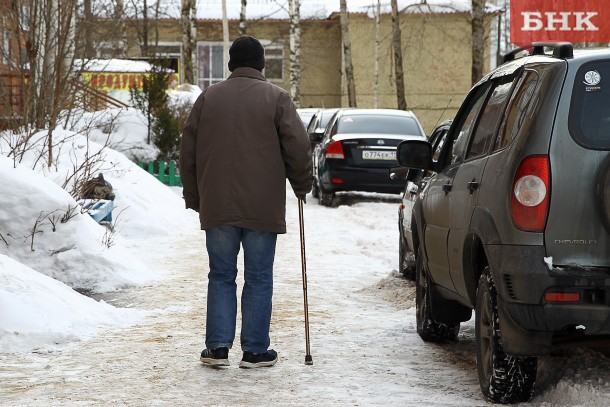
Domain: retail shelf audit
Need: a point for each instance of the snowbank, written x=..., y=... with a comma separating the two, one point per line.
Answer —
x=124, y=130
x=36, y=310
x=43, y=228
x=48, y=243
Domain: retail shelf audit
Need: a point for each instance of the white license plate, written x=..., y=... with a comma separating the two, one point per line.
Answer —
x=378, y=155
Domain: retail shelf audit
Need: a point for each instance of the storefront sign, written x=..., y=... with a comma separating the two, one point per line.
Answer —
x=559, y=20
x=109, y=81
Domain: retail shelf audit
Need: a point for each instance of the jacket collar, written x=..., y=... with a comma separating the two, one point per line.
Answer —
x=248, y=73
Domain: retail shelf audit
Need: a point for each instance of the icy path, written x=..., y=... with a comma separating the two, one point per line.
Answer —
x=364, y=344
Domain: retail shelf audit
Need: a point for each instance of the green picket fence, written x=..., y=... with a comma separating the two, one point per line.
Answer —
x=163, y=171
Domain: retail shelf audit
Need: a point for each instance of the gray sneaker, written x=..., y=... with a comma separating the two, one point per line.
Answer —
x=215, y=357
x=252, y=360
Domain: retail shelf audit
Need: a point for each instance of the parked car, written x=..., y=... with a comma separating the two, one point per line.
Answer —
x=318, y=124
x=515, y=221
x=416, y=181
x=357, y=150
x=306, y=114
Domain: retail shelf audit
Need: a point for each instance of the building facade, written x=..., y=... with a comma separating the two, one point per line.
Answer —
x=436, y=56
x=14, y=24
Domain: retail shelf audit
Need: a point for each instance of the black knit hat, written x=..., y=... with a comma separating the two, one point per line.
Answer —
x=246, y=51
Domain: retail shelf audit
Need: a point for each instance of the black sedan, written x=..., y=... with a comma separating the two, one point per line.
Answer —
x=358, y=149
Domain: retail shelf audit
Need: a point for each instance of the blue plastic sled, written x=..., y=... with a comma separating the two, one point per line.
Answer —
x=99, y=209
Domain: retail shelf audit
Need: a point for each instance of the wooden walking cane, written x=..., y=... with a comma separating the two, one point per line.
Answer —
x=308, y=359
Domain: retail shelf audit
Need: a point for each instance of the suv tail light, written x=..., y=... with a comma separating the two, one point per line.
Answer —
x=335, y=150
x=531, y=194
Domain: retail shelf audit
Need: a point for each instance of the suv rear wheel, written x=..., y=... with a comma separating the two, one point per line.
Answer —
x=427, y=328
x=503, y=378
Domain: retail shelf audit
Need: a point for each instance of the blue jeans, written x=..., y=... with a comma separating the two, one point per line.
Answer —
x=223, y=244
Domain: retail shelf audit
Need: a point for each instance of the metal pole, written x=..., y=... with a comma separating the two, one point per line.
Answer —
x=308, y=359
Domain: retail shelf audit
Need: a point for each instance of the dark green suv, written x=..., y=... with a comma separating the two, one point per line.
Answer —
x=515, y=221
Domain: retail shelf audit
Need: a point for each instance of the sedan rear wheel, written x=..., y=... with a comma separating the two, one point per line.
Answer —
x=326, y=198
x=503, y=378
x=315, y=189
x=406, y=269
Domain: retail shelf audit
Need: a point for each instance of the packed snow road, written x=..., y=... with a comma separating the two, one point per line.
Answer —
x=363, y=339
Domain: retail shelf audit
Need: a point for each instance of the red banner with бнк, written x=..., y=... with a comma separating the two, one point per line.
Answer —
x=559, y=20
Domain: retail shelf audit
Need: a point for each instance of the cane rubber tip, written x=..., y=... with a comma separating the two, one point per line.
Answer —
x=308, y=360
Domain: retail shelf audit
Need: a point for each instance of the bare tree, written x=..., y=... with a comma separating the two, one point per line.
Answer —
x=188, y=40
x=87, y=22
x=377, y=46
x=398, y=68
x=295, y=51
x=121, y=39
x=347, y=56
x=243, y=28
x=478, y=39
x=225, y=37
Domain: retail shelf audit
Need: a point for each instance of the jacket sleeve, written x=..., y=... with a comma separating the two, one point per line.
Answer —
x=295, y=145
x=188, y=163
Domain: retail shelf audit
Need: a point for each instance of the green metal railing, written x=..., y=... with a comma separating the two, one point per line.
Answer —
x=163, y=171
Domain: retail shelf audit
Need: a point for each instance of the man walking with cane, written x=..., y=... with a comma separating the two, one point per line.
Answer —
x=242, y=139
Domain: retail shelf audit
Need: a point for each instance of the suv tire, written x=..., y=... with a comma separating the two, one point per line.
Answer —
x=503, y=378
x=427, y=328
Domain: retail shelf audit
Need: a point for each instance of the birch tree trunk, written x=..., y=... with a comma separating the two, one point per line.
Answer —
x=243, y=28
x=188, y=40
x=121, y=44
x=478, y=40
x=62, y=19
x=144, y=45
x=225, y=38
x=377, y=46
x=398, y=68
x=347, y=56
x=295, y=51
x=88, y=29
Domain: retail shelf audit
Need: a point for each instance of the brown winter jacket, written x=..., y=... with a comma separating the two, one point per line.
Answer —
x=242, y=139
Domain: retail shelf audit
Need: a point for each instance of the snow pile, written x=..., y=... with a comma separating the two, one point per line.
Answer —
x=124, y=130
x=581, y=379
x=395, y=289
x=44, y=230
x=36, y=310
x=113, y=65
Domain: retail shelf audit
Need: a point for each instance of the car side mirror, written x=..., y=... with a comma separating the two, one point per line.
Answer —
x=414, y=154
x=316, y=136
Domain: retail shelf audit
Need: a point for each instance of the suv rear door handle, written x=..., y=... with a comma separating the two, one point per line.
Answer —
x=472, y=185
x=447, y=187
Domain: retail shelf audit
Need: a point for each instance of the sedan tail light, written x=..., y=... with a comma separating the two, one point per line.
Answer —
x=335, y=150
x=531, y=194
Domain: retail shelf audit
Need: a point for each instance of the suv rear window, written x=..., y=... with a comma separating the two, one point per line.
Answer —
x=589, y=120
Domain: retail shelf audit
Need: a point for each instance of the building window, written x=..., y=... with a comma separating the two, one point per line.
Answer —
x=210, y=66
x=6, y=46
x=25, y=18
x=274, y=63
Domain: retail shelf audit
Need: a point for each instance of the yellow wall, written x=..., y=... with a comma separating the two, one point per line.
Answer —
x=436, y=58
x=436, y=61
